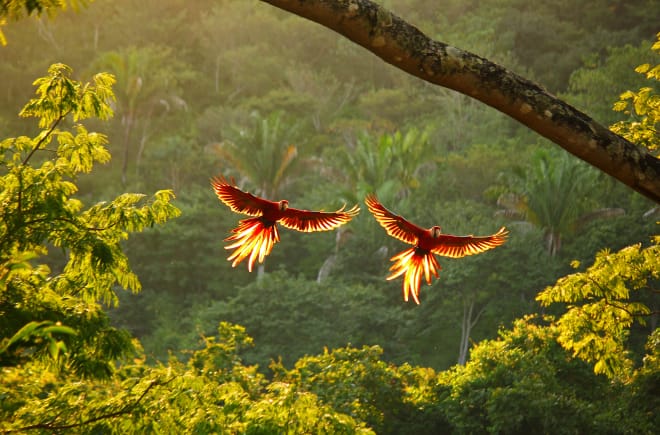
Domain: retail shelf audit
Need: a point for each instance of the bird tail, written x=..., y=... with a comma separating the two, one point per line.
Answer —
x=252, y=238
x=412, y=263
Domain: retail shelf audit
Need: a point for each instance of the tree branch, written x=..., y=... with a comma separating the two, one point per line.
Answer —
x=45, y=136
x=125, y=410
x=405, y=47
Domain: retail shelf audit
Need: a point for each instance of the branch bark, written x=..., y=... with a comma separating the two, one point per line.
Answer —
x=404, y=46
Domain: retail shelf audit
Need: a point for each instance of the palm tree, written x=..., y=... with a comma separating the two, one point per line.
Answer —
x=263, y=154
x=389, y=164
x=147, y=84
x=552, y=195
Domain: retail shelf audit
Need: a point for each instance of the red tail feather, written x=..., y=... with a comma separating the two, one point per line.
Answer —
x=412, y=263
x=252, y=238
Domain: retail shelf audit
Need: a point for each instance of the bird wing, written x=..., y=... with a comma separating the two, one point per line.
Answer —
x=394, y=225
x=239, y=201
x=308, y=221
x=460, y=246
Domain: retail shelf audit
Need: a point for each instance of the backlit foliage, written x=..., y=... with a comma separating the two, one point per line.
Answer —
x=213, y=393
x=50, y=306
x=603, y=302
x=643, y=108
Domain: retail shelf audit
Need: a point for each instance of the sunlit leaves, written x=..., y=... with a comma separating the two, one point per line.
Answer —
x=525, y=381
x=35, y=333
x=39, y=210
x=58, y=96
x=83, y=149
x=214, y=393
x=642, y=108
x=601, y=309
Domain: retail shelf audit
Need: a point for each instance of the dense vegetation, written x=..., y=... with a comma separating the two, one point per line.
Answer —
x=556, y=331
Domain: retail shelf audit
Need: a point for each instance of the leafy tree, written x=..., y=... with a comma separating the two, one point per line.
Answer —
x=591, y=86
x=212, y=393
x=182, y=266
x=525, y=381
x=148, y=82
x=643, y=108
x=601, y=308
x=290, y=317
x=40, y=211
x=358, y=383
x=387, y=164
x=601, y=311
x=263, y=153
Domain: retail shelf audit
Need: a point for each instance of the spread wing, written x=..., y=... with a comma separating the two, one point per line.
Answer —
x=394, y=225
x=308, y=221
x=460, y=246
x=239, y=201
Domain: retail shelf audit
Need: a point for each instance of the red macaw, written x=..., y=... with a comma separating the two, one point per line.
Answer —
x=255, y=236
x=427, y=242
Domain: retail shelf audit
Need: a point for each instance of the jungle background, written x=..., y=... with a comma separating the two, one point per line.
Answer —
x=503, y=342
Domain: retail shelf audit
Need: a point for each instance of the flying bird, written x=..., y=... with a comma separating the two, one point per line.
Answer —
x=255, y=237
x=420, y=259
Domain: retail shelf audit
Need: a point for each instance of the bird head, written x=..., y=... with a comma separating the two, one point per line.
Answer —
x=436, y=231
x=283, y=205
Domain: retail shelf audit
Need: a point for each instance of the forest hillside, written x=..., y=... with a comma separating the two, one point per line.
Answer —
x=116, y=297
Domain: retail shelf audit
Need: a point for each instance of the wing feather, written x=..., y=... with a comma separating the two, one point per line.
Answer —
x=461, y=246
x=239, y=201
x=309, y=221
x=394, y=225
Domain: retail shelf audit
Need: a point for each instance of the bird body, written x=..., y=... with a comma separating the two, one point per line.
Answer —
x=255, y=236
x=419, y=261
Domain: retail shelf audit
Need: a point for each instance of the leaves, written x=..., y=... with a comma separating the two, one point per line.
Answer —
x=642, y=108
x=40, y=210
x=58, y=96
x=600, y=311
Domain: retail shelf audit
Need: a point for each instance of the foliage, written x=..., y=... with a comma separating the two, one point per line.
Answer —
x=264, y=153
x=213, y=393
x=601, y=306
x=18, y=9
x=554, y=195
x=609, y=296
x=293, y=316
x=524, y=381
x=358, y=383
x=147, y=89
x=643, y=108
x=439, y=156
x=55, y=310
x=592, y=86
x=387, y=164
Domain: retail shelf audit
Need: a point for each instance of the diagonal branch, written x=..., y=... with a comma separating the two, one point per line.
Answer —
x=125, y=410
x=405, y=47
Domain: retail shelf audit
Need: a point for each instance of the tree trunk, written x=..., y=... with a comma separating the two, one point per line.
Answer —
x=404, y=46
x=467, y=323
x=128, y=126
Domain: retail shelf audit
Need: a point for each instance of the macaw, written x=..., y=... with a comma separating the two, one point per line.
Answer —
x=255, y=237
x=419, y=259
